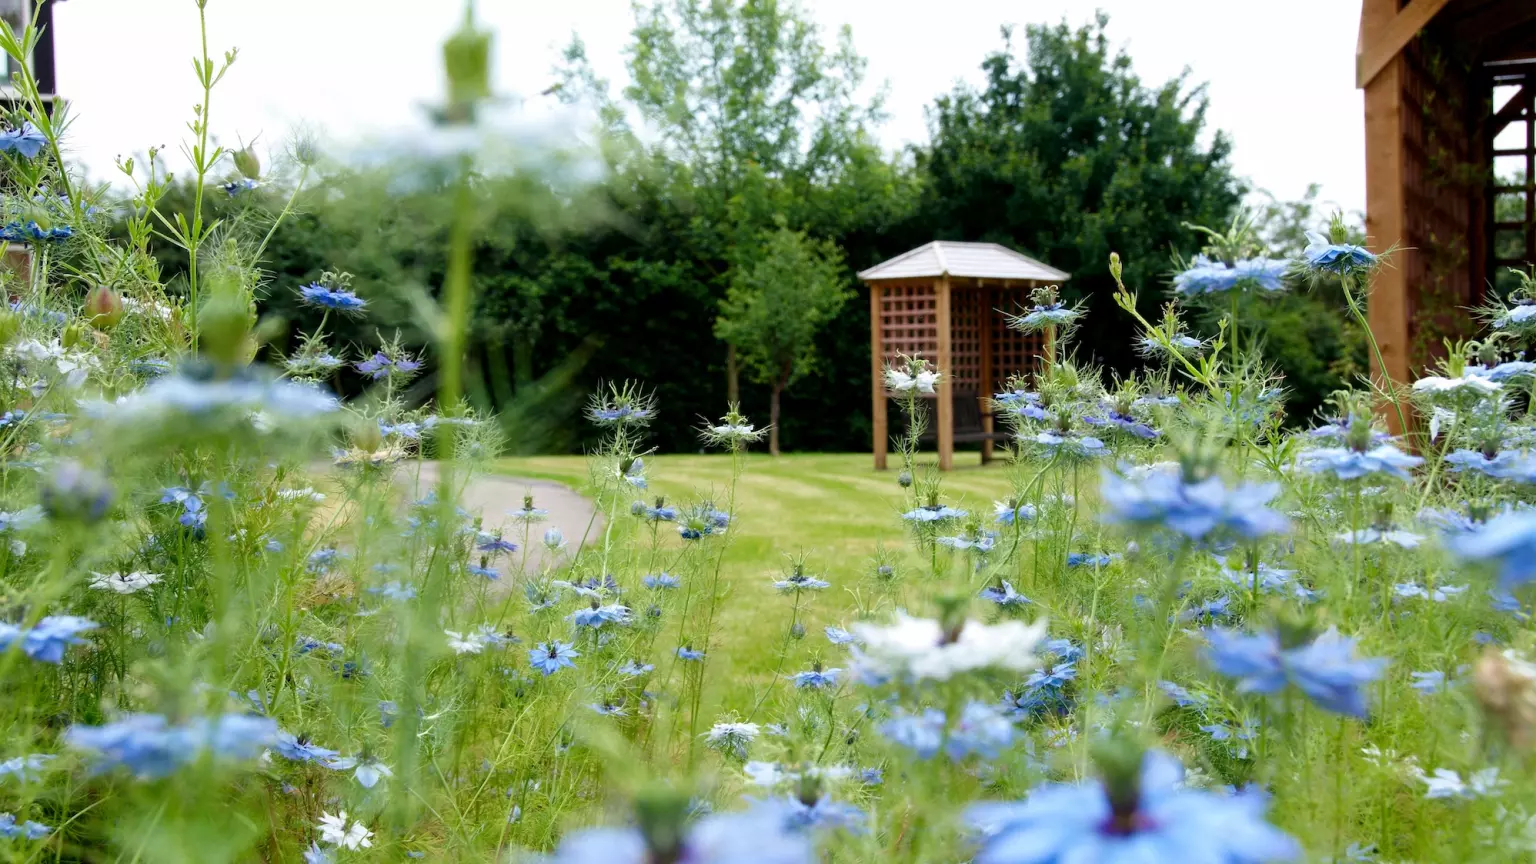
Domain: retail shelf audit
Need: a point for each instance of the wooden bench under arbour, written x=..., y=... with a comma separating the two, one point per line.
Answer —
x=974, y=424
x=947, y=302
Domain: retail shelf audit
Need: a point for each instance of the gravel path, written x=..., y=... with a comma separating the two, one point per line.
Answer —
x=492, y=496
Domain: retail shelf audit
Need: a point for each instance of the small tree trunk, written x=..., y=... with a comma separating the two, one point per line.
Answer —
x=773, y=419
x=732, y=377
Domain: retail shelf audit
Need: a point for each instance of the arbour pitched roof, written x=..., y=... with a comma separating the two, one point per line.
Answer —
x=968, y=260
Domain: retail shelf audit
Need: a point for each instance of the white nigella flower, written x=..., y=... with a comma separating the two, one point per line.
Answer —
x=1433, y=384
x=472, y=643
x=124, y=583
x=306, y=493
x=1445, y=783
x=921, y=648
x=732, y=738
x=334, y=830
x=901, y=382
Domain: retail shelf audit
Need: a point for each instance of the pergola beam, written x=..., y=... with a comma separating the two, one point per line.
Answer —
x=882, y=430
x=1377, y=49
x=945, y=364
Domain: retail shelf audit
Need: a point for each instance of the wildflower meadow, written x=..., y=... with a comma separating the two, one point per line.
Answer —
x=1170, y=628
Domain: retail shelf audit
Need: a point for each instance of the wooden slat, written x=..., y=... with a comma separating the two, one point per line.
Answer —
x=877, y=379
x=988, y=383
x=944, y=362
x=1386, y=42
x=1388, y=310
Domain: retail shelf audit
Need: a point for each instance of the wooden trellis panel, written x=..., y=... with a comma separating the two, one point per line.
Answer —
x=1012, y=352
x=967, y=316
x=1440, y=198
x=908, y=322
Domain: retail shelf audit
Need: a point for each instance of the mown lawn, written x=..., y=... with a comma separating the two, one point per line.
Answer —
x=834, y=509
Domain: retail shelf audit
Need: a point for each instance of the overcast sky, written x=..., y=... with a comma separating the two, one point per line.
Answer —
x=1280, y=75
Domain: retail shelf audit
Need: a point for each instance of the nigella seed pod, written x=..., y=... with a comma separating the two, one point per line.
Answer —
x=904, y=479
x=103, y=308
x=797, y=631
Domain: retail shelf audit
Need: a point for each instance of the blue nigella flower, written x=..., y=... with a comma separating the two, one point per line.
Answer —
x=1123, y=422
x=922, y=733
x=25, y=768
x=1089, y=559
x=551, y=657
x=799, y=582
x=1155, y=819
x=839, y=636
x=688, y=653
x=816, y=678
x=1040, y=316
x=634, y=669
x=494, y=544
x=764, y=834
x=1180, y=695
x=149, y=746
x=1003, y=594
x=1198, y=510
x=1205, y=276
x=1325, y=669
x=1348, y=464
x=326, y=297
x=1340, y=258
x=11, y=829
x=298, y=748
x=1507, y=540
x=1079, y=445
x=596, y=616
x=933, y=513
x=48, y=638
x=25, y=141
x=661, y=581
x=1009, y=512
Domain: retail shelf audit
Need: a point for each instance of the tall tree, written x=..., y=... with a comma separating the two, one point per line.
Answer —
x=752, y=119
x=776, y=305
x=1067, y=156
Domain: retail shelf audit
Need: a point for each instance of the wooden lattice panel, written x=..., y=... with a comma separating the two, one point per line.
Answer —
x=908, y=321
x=967, y=315
x=1013, y=352
x=1441, y=198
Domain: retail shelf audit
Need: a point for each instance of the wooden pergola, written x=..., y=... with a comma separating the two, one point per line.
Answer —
x=1450, y=137
x=941, y=301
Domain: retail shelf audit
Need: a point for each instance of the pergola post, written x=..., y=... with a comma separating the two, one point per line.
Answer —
x=877, y=378
x=988, y=318
x=944, y=362
x=1384, y=205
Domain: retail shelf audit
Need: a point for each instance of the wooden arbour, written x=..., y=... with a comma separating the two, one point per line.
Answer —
x=1450, y=167
x=947, y=302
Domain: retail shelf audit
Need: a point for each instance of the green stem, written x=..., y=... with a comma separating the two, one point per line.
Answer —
x=195, y=231
x=1381, y=363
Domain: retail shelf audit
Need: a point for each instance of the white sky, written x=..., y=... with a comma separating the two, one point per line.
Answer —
x=1280, y=74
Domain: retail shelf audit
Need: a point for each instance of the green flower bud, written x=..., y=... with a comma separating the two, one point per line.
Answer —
x=223, y=324
x=10, y=325
x=103, y=307
x=662, y=815
x=367, y=436
x=467, y=57
x=74, y=334
x=1119, y=761
x=247, y=163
